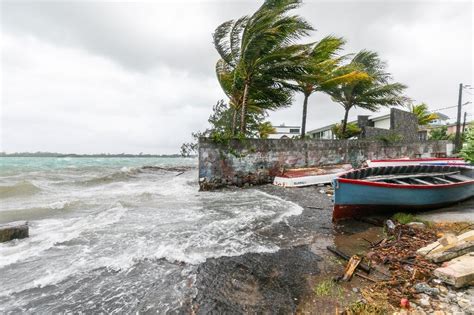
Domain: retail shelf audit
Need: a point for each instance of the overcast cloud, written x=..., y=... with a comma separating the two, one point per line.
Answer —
x=101, y=76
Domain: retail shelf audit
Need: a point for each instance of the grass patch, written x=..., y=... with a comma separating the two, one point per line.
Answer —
x=365, y=308
x=405, y=218
x=328, y=288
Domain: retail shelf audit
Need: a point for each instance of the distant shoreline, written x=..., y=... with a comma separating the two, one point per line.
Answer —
x=59, y=155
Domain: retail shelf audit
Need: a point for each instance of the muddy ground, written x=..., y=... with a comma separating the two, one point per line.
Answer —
x=286, y=281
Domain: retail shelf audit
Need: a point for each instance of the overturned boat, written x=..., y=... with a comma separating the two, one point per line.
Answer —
x=373, y=190
x=301, y=177
x=416, y=161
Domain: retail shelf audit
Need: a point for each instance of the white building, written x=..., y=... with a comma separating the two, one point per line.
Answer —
x=376, y=121
x=283, y=131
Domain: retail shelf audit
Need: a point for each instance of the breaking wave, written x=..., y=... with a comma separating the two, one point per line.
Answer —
x=23, y=188
x=127, y=173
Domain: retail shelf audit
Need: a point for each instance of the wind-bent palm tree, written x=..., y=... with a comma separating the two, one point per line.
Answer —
x=259, y=57
x=321, y=63
x=422, y=114
x=369, y=93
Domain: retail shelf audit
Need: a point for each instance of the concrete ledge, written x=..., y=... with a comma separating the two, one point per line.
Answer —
x=13, y=230
x=458, y=272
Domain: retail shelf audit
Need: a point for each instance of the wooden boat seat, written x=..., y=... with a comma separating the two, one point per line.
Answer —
x=459, y=177
x=443, y=180
x=408, y=176
x=420, y=181
x=400, y=182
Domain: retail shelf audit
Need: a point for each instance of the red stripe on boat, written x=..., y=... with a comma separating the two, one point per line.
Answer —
x=390, y=185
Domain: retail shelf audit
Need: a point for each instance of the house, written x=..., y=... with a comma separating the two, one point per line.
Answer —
x=282, y=132
x=425, y=131
x=398, y=122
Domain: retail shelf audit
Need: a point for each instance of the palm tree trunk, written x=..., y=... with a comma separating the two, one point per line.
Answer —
x=244, y=109
x=305, y=108
x=344, y=122
x=234, y=121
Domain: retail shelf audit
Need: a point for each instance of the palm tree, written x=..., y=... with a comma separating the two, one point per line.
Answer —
x=370, y=93
x=321, y=63
x=422, y=114
x=259, y=57
x=265, y=129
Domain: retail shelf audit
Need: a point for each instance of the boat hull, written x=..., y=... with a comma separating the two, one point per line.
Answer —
x=354, y=198
x=310, y=176
x=304, y=180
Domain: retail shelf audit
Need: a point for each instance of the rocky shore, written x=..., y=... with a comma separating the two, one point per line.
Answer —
x=284, y=281
x=299, y=277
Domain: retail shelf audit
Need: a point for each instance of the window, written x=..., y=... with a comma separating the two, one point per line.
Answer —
x=295, y=130
x=422, y=135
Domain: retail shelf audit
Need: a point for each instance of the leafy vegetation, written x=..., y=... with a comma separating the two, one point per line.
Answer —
x=352, y=130
x=440, y=133
x=263, y=63
x=372, y=92
x=321, y=64
x=259, y=56
x=221, y=130
x=391, y=138
x=422, y=114
x=404, y=218
x=467, y=151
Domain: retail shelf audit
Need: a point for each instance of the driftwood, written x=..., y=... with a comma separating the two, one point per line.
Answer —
x=341, y=254
x=351, y=267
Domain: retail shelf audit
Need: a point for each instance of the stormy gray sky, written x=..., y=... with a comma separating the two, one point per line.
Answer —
x=105, y=76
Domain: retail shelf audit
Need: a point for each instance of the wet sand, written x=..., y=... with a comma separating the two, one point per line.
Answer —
x=283, y=282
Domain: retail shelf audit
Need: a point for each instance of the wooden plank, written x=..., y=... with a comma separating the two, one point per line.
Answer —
x=336, y=251
x=443, y=180
x=400, y=182
x=402, y=176
x=459, y=177
x=351, y=267
x=423, y=182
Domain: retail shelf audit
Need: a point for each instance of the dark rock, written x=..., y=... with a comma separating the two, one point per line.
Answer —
x=13, y=230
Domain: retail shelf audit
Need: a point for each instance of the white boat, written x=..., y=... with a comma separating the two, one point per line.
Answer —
x=301, y=177
x=419, y=161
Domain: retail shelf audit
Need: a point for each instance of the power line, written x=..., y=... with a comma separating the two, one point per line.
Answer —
x=443, y=108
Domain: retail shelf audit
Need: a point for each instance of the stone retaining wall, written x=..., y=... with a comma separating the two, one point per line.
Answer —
x=257, y=161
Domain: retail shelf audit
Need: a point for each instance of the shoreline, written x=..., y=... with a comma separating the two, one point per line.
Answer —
x=283, y=281
x=291, y=279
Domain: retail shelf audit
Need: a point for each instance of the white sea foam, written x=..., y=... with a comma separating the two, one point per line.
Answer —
x=116, y=223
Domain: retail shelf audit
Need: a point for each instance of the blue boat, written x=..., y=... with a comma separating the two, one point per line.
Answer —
x=375, y=190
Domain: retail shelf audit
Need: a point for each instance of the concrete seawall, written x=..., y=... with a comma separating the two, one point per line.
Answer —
x=257, y=161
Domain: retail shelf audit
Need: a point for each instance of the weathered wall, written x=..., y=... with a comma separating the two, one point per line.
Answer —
x=257, y=161
x=403, y=125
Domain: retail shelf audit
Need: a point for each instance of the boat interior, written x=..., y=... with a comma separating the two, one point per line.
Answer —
x=414, y=174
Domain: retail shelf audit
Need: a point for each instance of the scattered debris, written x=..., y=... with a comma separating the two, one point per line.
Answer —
x=424, y=288
x=390, y=226
x=351, y=267
x=458, y=272
x=341, y=254
x=449, y=246
x=404, y=303
x=419, y=225
x=410, y=253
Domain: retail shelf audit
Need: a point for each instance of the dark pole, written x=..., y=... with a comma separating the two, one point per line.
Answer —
x=457, y=139
x=464, y=122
